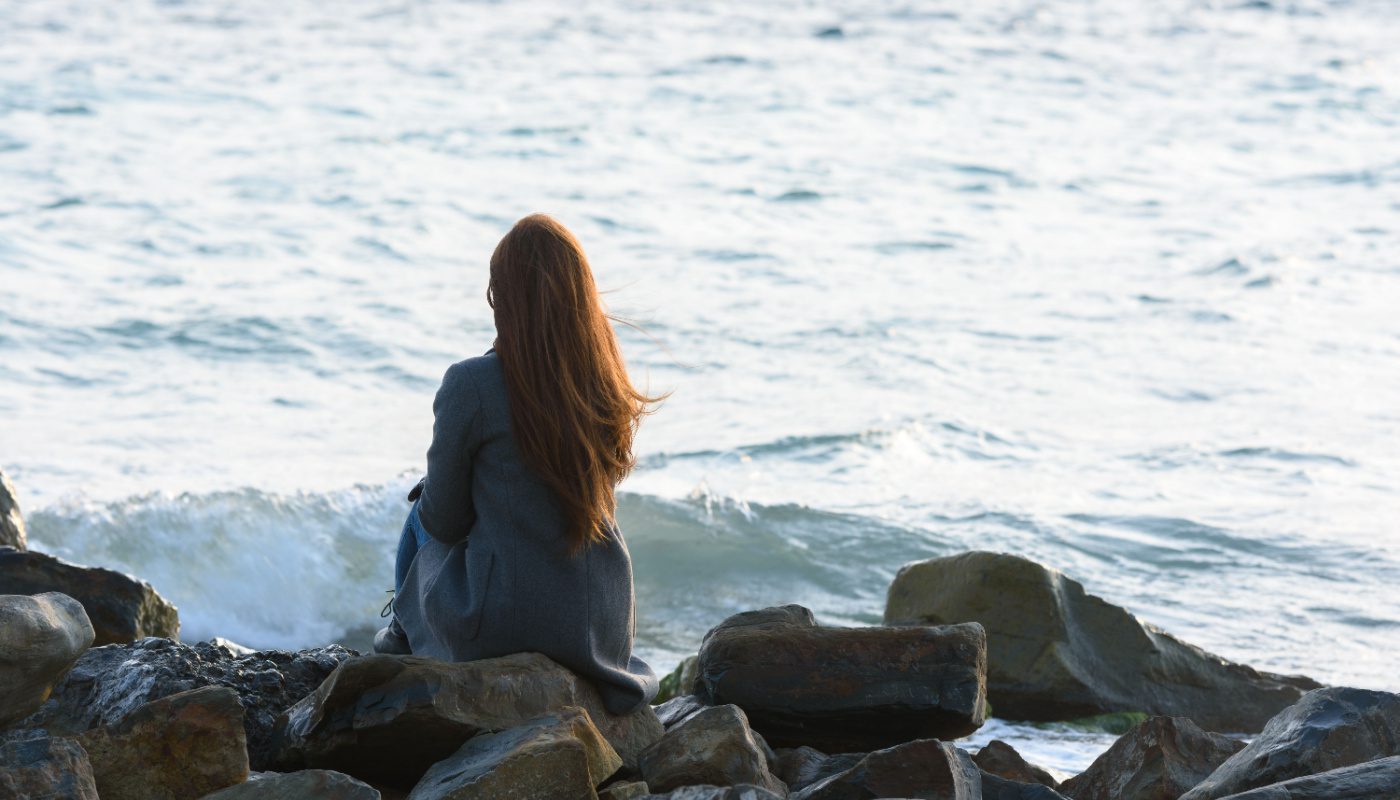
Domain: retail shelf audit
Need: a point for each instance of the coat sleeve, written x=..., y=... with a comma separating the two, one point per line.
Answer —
x=445, y=506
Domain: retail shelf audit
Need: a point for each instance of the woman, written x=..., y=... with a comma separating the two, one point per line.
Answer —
x=511, y=545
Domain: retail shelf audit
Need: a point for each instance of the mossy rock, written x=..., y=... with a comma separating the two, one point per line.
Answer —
x=679, y=682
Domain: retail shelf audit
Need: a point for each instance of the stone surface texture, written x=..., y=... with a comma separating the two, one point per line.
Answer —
x=1160, y=759
x=12, y=532
x=713, y=747
x=624, y=790
x=51, y=769
x=926, y=768
x=845, y=688
x=40, y=638
x=1056, y=652
x=1002, y=760
x=717, y=793
x=308, y=784
x=995, y=787
x=122, y=608
x=1370, y=780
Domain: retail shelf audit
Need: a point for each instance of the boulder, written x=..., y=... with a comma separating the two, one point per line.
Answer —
x=678, y=709
x=713, y=747
x=386, y=719
x=52, y=769
x=995, y=787
x=11, y=521
x=109, y=683
x=679, y=681
x=308, y=784
x=1326, y=730
x=624, y=790
x=926, y=768
x=845, y=688
x=40, y=638
x=1370, y=780
x=1158, y=760
x=176, y=748
x=558, y=756
x=801, y=767
x=1056, y=652
x=717, y=793
x=122, y=608
x=1002, y=760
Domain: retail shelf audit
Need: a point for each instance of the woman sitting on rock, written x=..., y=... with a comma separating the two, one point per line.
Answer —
x=511, y=545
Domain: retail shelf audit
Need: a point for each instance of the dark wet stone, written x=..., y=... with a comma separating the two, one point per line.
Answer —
x=1370, y=780
x=121, y=608
x=1158, y=760
x=1002, y=760
x=43, y=767
x=926, y=768
x=307, y=784
x=713, y=747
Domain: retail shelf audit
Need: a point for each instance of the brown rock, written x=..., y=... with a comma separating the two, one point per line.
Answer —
x=1158, y=760
x=1057, y=653
x=624, y=790
x=1370, y=780
x=40, y=638
x=926, y=768
x=844, y=688
x=122, y=608
x=177, y=748
x=11, y=521
x=52, y=769
x=1002, y=760
x=713, y=747
x=386, y=719
x=559, y=756
x=308, y=784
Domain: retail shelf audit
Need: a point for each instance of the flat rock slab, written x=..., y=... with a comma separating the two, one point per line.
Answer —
x=845, y=688
x=387, y=719
x=1056, y=652
x=559, y=756
x=308, y=784
x=12, y=532
x=1371, y=780
x=1160, y=759
x=926, y=768
x=52, y=769
x=712, y=747
x=1326, y=730
x=122, y=608
x=40, y=638
x=179, y=747
x=109, y=683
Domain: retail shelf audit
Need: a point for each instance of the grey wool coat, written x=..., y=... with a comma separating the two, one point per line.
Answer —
x=496, y=576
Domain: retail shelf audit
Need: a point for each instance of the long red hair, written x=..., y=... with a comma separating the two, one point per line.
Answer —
x=572, y=406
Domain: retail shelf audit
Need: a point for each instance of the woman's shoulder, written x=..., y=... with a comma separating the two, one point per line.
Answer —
x=478, y=374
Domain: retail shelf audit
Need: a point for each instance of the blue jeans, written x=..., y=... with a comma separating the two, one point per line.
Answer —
x=412, y=538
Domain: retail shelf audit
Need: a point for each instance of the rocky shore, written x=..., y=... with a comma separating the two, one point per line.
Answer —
x=99, y=698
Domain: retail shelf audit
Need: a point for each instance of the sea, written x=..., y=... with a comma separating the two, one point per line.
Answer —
x=1113, y=285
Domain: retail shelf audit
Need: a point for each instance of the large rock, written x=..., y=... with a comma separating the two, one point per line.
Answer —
x=11, y=521
x=1371, y=780
x=926, y=768
x=679, y=681
x=308, y=784
x=1002, y=760
x=559, y=756
x=40, y=638
x=1158, y=760
x=713, y=747
x=1326, y=730
x=177, y=748
x=717, y=793
x=51, y=769
x=122, y=608
x=801, y=767
x=109, y=683
x=1057, y=653
x=845, y=688
x=995, y=787
x=386, y=719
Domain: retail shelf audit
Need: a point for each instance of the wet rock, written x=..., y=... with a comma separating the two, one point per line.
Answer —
x=122, y=608
x=1158, y=760
x=679, y=681
x=11, y=521
x=1056, y=652
x=1002, y=760
x=624, y=790
x=717, y=793
x=1370, y=780
x=1326, y=730
x=926, y=768
x=713, y=747
x=386, y=719
x=845, y=688
x=176, y=748
x=40, y=638
x=53, y=769
x=308, y=784
x=678, y=709
x=109, y=683
x=560, y=756
x=801, y=767
x=995, y=787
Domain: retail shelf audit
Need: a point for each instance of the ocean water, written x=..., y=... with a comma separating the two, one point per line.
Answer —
x=1113, y=285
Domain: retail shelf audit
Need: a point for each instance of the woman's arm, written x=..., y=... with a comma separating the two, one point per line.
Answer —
x=445, y=506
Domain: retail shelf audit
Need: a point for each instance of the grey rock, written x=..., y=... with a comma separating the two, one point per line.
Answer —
x=1326, y=730
x=717, y=793
x=1160, y=759
x=559, y=756
x=308, y=784
x=386, y=719
x=678, y=709
x=801, y=767
x=1369, y=780
x=11, y=521
x=108, y=683
x=52, y=769
x=40, y=638
x=122, y=608
x=1056, y=652
x=845, y=688
x=926, y=768
x=1002, y=760
x=713, y=747
x=995, y=787
x=624, y=790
